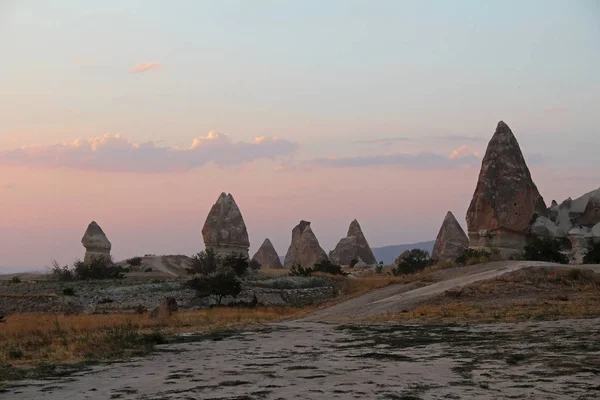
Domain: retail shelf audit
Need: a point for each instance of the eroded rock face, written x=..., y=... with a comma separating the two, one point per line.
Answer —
x=506, y=199
x=267, y=257
x=591, y=214
x=354, y=247
x=544, y=227
x=451, y=241
x=224, y=230
x=304, y=249
x=96, y=243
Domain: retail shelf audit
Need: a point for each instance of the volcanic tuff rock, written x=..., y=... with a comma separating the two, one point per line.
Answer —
x=353, y=247
x=224, y=230
x=267, y=257
x=304, y=249
x=451, y=241
x=505, y=199
x=96, y=243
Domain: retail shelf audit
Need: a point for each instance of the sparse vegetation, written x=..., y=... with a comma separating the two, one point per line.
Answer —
x=204, y=263
x=411, y=261
x=593, y=255
x=68, y=291
x=15, y=279
x=135, y=261
x=379, y=268
x=473, y=256
x=545, y=249
x=325, y=266
x=299, y=270
x=238, y=263
x=98, y=268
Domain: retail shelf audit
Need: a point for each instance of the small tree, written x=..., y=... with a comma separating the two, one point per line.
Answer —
x=135, y=261
x=239, y=263
x=411, y=261
x=328, y=267
x=545, y=249
x=204, y=263
x=255, y=265
x=474, y=256
x=98, y=268
x=593, y=255
x=218, y=287
x=379, y=268
x=64, y=274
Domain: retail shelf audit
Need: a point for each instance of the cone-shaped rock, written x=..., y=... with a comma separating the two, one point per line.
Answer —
x=451, y=241
x=505, y=199
x=224, y=230
x=304, y=249
x=96, y=243
x=353, y=247
x=267, y=257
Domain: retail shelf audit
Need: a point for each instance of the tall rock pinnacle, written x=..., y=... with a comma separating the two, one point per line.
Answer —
x=354, y=247
x=267, y=257
x=304, y=249
x=224, y=230
x=96, y=243
x=451, y=241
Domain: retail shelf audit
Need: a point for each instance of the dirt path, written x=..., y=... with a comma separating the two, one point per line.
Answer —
x=302, y=360
x=397, y=298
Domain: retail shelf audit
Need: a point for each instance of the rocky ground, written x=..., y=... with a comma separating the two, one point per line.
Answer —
x=302, y=360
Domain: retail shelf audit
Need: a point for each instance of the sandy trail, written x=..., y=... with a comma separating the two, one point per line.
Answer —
x=397, y=298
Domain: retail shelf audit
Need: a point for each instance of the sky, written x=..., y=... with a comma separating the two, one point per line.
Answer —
x=138, y=114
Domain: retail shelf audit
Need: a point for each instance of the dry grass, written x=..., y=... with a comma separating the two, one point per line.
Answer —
x=30, y=339
x=274, y=273
x=530, y=293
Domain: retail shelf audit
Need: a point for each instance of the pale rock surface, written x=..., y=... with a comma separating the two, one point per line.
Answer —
x=267, y=257
x=543, y=227
x=591, y=214
x=354, y=247
x=596, y=233
x=224, y=230
x=96, y=243
x=451, y=241
x=304, y=249
x=506, y=199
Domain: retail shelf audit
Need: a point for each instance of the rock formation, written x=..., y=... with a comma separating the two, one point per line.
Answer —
x=506, y=201
x=96, y=243
x=267, y=257
x=224, y=230
x=451, y=241
x=353, y=248
x=304, y=249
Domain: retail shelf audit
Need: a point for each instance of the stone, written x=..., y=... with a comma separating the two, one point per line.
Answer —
x=506, y=200
x=451, y=241
x=166, y=308
x=353, y=248
x=224, y=230
x=544, y=227
x=304, y=249
x=97, y=245
x=267, y=257
x=580, y=238
x=591, y=214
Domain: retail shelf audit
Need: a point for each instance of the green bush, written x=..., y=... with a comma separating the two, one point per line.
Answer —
x=475, y=256
x=545, y=249
x=204, y=263
x=68, y=291
x=593, y=255
x=255, y=265
x=15, y=279
x=411, y=261
x=379, y=268
x=239, y=263
x=135, y=261
x=98, y=268
x=328, y=267
x=217, y=287
x=299, y=270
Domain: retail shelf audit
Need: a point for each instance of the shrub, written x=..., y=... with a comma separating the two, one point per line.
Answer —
x=63, y=274
x=255, y=265
x=299, y=270
x=68, y=291
x=379, y=268
x=328, y=267
x=204, y=263
x=239, y=263
x=135, y=261
x=98, y=268
x=217, y=287
x=411, y=261
x=148, y=269
x=593, y=255
x=545, y=249
x=15, y=279
x=474, y=256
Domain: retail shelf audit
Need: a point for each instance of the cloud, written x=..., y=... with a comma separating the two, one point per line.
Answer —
x=422, y=161
x=385, y=141
x=84, y=61
x=143, y=67
x=460, y=138
x=114, y=153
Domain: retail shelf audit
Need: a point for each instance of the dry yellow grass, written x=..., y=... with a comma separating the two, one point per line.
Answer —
x=28, y=339
x=274, y=273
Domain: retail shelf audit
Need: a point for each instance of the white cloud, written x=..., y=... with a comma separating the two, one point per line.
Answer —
x=143, y=67
x=115, y=153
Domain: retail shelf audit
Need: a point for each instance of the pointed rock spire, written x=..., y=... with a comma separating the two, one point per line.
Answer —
x=451, y=240
x=505, y=199
x=353, y=248
x=96, y=243
x=304, y=249
x=267, y=257
x=224, y=230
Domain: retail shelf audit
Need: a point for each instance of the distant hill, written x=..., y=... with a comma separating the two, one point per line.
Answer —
x=388, y=254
